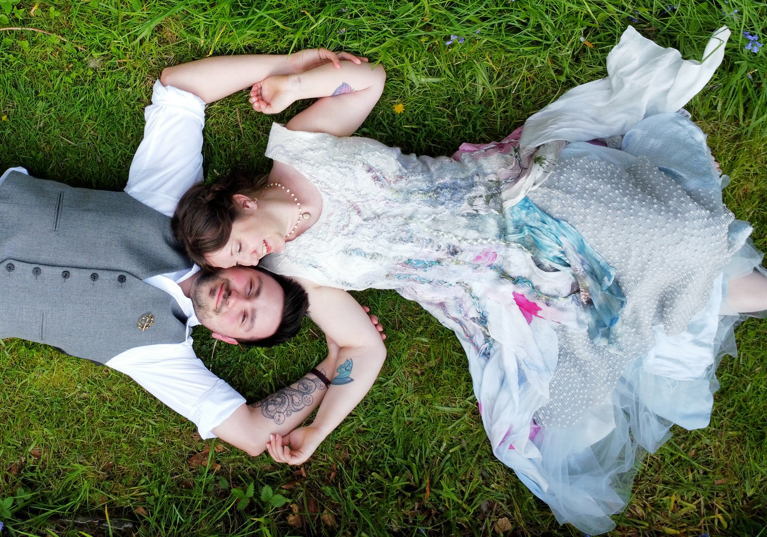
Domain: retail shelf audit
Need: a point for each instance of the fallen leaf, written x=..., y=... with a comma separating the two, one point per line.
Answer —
x=36, y=453
x=140, y=511
x=290, y=485
x=14, y=469
x=312, y=506
x=196, y=436
x=720, y=482
x=428, y=491
x=503, y=525
x=301, y=471
x=296, y=521
x=219, y=448
x=329, y=519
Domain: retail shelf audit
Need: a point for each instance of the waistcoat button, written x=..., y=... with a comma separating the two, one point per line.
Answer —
x=94, y=277
x=10, y=267
x=121, y=278
x=36, y=271
x=65, y=274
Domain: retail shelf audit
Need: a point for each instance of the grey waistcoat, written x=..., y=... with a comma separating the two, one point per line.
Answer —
x=72, y=262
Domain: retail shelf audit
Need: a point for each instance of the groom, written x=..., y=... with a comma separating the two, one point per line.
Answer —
x=99, y=275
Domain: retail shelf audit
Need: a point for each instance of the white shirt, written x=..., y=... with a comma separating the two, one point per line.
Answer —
x=166, y=164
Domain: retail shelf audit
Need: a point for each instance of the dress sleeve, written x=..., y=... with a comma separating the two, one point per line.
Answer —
x=169, y=159
x=175, y=375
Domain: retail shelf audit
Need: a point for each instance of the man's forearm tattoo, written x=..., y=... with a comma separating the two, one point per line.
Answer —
x=344, y=373
x=343, y=88
x=282, y=404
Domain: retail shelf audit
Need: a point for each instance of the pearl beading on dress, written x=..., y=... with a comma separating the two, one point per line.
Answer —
x=301, y=215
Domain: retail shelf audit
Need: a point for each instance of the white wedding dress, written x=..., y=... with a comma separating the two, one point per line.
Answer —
x=586, y=295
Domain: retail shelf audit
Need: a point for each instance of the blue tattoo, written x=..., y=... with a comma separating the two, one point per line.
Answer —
x=343, y=88
x=344, y=373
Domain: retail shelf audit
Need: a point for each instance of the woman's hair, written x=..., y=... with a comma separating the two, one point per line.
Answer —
x=204, y=216
x=293, y=312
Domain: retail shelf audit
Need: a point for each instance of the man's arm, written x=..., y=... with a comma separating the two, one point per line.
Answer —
x=250, y=426
x=360, y=358
x=214, y=78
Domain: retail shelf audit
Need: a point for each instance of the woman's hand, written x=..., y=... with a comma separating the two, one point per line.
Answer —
x=302, y=443
x=307, y=60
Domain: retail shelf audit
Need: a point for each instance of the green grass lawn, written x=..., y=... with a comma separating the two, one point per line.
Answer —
x=85, y=451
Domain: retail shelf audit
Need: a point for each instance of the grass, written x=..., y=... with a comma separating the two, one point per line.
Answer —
x=84, y=451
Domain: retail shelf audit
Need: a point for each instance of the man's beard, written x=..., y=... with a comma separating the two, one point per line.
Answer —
x=207, y=283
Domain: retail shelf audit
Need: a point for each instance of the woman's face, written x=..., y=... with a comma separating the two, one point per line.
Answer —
x=254, y=234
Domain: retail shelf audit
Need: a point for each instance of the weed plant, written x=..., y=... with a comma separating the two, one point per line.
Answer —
x=86, y=451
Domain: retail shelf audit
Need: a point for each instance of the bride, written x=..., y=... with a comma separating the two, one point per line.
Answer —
x=586, y=263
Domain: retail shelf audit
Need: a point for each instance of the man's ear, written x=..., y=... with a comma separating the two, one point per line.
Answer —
x=242, y=201
x=225, y=339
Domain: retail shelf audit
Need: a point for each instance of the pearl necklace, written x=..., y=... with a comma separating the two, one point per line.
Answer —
x=301, y=215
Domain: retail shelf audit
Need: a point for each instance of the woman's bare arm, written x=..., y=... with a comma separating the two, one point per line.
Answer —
x=360, y=358
x=346, y=96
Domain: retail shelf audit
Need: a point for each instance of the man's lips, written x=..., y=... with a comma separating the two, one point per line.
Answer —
x=220, y=294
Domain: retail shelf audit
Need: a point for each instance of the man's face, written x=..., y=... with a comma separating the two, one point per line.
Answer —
x=238, y=303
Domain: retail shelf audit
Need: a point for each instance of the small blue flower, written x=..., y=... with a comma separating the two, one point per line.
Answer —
x=1, y=526
x=452, y=38
x=753, y=44
x=477, y=32
x=460, y=41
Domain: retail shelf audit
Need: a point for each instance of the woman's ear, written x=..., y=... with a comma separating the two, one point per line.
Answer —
x=243, y=202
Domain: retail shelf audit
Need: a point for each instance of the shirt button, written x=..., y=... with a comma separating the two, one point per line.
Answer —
x=36, y=271
x=65, y=274
x=121, y=278
x=94, y=277
x=10, y=267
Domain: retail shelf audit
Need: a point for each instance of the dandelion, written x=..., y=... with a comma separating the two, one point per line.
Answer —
x=5, y=118
x=399, y=108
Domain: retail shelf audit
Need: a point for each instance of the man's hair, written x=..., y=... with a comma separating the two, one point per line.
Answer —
x=293, y=312
x=205, y=214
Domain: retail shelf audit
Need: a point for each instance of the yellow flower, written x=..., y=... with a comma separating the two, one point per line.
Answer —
x=5, y=118
x=399, y=108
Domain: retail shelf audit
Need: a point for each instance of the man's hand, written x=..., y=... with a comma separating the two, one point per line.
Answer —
x=302, y=441
x=374, y=320
x=307, y=60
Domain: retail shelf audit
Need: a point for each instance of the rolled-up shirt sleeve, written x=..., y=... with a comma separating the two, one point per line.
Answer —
x=169, y=159
x=175, y=375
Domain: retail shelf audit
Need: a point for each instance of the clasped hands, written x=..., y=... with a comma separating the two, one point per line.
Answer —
x=273, y=95
x=298, y=445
